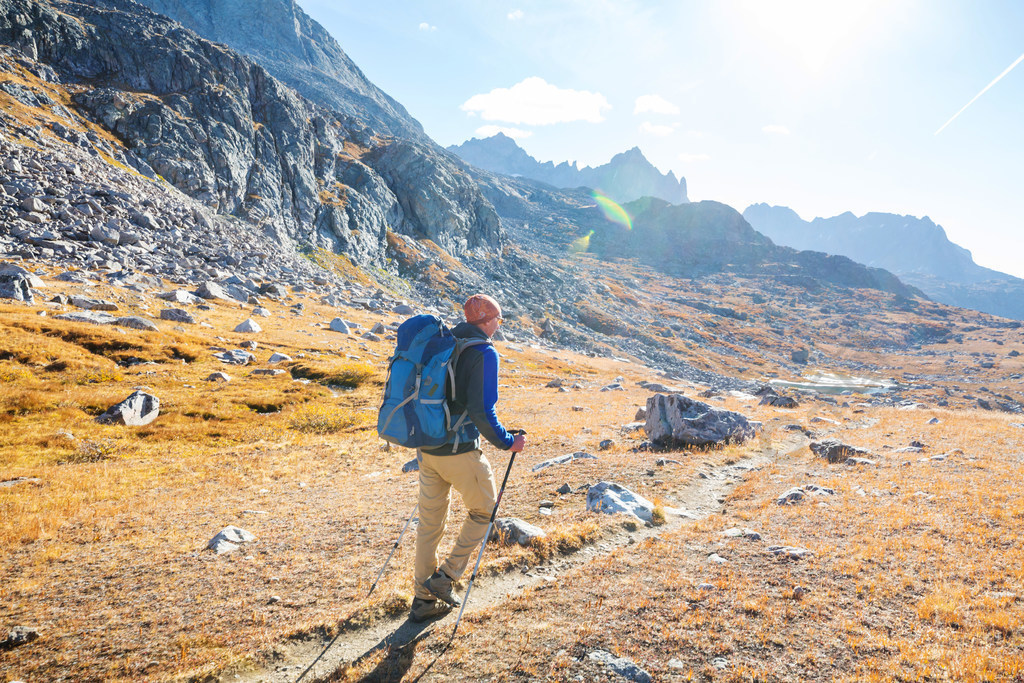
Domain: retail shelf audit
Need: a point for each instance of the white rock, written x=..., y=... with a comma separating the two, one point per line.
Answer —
x=248, y=325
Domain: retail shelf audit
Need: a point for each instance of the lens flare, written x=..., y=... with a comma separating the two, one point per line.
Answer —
x=582, y=244
x=612, y=211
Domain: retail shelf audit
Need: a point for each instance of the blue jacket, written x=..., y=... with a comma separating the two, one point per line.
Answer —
x=476, y=392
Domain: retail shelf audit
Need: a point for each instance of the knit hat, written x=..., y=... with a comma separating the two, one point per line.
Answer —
x=480, y=309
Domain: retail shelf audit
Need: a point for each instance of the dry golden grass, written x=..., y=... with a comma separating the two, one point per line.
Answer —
x=920, y=577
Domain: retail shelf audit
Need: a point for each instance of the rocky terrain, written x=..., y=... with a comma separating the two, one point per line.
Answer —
x=744, y=461
x=915, y=249
x=627, y=176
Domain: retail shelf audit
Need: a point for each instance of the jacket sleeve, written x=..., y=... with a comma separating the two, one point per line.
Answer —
x=482, y=395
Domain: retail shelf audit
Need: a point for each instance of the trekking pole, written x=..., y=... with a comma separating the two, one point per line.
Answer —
x=393, y=549
x=483, y=545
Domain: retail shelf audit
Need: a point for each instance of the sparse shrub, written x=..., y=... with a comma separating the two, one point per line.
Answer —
x=322, y=419
x=99, y=377
x=92, y=451
x=348, y=374
x=658, y=515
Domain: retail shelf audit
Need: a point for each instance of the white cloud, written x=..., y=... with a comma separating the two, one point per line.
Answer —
x=775, y=129
x=535, y=102
x=693, y=158
x=654, y=104
x=655, y=129
x=515, y=15
x=514, y=133
x=427, y=27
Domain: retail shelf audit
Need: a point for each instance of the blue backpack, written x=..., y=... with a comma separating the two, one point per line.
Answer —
x=414, y=412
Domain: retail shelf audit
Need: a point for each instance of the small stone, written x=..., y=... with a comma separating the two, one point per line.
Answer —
x=606, y=444
x=218, y=377
x=715, y=558
x=279, y=358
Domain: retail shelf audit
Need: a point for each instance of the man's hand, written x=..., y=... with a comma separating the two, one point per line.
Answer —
x=519, y=444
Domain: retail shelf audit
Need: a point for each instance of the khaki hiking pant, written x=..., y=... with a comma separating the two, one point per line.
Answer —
x=471, y=475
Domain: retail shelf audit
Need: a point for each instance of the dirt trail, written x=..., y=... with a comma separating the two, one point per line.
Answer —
x=697, y=500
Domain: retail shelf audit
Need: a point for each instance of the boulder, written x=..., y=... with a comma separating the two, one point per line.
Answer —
x=93, y=304
x=800, y=356
x=177, y=315
x=17, y=288
x=279, y=358
x=837, y=452
x=339, y=325
x=180, y=296
x=562, y=459
x=248, y=325
x=612, y=499
x=403, y=309
x=136, y=323
x=218, y=377
x=19, y=635
x=138, y=409
x=514, y=530
x=675, y=420
x=261, y=312
x=625, y=668
x=74, y=276
x=235, y=357
x=82, y=317
x=214, y=291
x=228, y=539
x=778, y=401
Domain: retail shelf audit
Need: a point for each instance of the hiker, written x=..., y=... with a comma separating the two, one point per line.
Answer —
x=461, y=463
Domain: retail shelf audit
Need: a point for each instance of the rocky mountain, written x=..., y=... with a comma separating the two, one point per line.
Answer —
x=626, y=177
x=218, y=127
x=297, y=51
x=915, y=249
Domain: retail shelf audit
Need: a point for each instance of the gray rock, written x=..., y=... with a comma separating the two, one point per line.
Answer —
x=562, y=459
x=261, y=312
x=105, y=235
x=789, y=552
x=606, y=444
x=403, y=309
x=248, y=325
x=18, y=289
x=19, y=635
x=235, y=357
x=641, y=415
x=249, y=344
x=554, y=384
x=228, y=539
x=214, y=291
x=75, y=276
x=860, y=461
x=620, y=665
x=177, y=315
x=136, y=323
x=513, y=530
x=715, y=558
x=778, y=401
x=269, y=372
x=279, y=358
x=93, y=304
x=138, y=409
x=800, y=356
x=218, y=377
x=339, y=325
x=791, y=497
x=92, y=318
x=835, y=451
x=180, y=296
x=674, y=420
x=611, y=499
x=370, y=336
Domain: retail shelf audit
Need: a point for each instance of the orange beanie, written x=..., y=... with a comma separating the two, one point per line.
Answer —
x=480, y=309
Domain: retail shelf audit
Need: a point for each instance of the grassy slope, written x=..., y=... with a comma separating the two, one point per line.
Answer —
x=105, y=553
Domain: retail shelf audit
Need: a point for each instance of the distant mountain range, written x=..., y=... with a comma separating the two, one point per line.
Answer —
x=626, y=177
x=915, y=249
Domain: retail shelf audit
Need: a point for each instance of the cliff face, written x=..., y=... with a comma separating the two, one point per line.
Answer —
x=296, y=50
x=628, y=176
x=915, y=249
x=221, y=129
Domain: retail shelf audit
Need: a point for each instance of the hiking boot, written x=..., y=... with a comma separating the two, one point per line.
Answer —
x=422, y=610
x=441, y=585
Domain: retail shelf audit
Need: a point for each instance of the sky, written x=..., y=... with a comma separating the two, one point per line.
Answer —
x=821, y=106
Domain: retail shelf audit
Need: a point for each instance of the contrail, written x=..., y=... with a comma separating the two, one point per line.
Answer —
x=997, y=79
x=984, y=90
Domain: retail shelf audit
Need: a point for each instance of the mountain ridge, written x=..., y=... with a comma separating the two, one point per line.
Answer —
x=627, y=176
x=916, y=249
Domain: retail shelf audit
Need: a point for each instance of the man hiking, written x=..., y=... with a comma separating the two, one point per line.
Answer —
x=461, y=463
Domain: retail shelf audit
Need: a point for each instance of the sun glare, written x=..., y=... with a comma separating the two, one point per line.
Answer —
x=810, y=32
